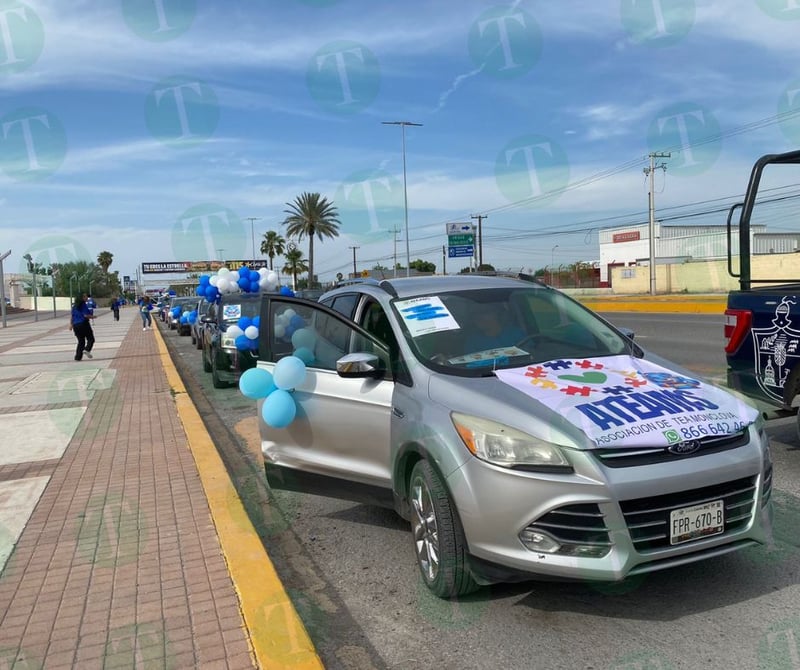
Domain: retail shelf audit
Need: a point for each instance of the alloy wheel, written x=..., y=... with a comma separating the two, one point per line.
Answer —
x=425, y=529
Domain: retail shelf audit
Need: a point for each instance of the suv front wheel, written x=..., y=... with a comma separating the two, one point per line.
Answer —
x=438, y=538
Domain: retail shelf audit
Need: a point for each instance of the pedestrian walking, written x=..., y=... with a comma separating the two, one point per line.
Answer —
x=90, y=303
x=80, y=324
x=144, y=309
x=115, y=308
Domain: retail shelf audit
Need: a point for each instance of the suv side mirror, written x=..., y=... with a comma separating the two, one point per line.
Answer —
x=359, y=365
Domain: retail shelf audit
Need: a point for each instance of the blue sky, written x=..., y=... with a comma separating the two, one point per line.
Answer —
x=154, y=129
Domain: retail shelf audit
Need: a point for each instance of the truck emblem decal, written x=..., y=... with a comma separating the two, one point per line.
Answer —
x=776, y=350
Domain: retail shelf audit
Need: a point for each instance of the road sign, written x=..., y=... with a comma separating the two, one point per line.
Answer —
x=460, y=240
x=461, y=251
x=460, y=228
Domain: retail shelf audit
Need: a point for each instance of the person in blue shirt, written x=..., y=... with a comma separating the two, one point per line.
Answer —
x=90, y=303
x=115, y=305
x=81, y=326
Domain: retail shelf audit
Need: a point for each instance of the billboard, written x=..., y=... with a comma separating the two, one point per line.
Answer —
x=183, y=267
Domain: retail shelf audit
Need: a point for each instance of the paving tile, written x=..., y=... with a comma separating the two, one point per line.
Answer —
x=119, y=564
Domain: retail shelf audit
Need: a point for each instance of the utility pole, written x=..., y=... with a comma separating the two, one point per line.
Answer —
x=649, y=171
x=480, y=218
x=355, y=272
x=394, y=237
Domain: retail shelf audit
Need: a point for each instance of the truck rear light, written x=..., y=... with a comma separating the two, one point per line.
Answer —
x=737, y=325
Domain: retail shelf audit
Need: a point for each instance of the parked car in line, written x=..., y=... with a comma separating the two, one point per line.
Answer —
x=184, y=304
x=522, y=435
x=198, y=327
x=221, y=358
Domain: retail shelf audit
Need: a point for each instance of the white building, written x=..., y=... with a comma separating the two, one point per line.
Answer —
x=630, y=245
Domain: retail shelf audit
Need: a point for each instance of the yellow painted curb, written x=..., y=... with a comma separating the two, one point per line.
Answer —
x=688, y=307
x=278, y=637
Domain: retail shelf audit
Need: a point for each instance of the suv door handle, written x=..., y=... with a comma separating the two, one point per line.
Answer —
x=398, y=413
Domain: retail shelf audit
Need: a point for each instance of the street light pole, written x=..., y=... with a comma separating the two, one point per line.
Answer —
x=253, y=219
x=403, y=125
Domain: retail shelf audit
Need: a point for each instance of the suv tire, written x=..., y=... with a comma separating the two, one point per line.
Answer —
x=438, y=538
x=206, y=364
x=216, y=382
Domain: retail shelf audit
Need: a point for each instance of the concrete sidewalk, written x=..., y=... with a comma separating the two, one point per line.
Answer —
x=122, y=541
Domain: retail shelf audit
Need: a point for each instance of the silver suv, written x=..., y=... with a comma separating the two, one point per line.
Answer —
x=522, y=435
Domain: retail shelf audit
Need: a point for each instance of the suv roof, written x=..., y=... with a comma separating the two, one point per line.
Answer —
x=404, y=287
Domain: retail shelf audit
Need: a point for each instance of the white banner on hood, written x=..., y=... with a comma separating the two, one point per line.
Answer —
x=621, y=401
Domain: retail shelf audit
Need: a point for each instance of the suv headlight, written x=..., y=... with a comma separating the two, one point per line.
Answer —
x=508, y=447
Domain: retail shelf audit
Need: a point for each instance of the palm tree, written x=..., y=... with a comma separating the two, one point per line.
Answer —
x=311, y=214
x=272, y=245
x=104, y=260
x=295, y=264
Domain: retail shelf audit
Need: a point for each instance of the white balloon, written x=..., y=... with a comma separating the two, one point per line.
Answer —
x=223, y=284
x=289, y=313
x=213, y=279
x=273, y=277
x=263, y=272
x=223, y=271
x=251, y=332
x=263, y=283
x=234, y=331
x=280, y=330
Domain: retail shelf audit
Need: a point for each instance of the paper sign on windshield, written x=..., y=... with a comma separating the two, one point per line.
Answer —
x=425, y=315
x=231, y=311
x=620, y=401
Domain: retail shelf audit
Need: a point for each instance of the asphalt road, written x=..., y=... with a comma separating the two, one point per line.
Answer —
x=350, y=568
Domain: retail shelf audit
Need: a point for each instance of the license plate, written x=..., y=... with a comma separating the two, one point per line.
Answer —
x=690, y=523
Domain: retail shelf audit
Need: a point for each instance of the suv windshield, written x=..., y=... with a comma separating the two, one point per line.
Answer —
x=466, y=332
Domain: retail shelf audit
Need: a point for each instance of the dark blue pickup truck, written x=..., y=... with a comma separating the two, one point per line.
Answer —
x=762, y=319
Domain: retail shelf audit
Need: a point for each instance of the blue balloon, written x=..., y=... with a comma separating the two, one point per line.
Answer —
x=285, y=290
x=256, y=383
x=211, y=293
x=279, y=409
x=254, y=345
x=254, y=286
x=200, y=290
x=244, y=271
x=257, y=321
x=204, y=279
x=244, y=322
x=297, y=321
x=242, y=343
x=193, y=316
x=254, y=276
x=244, y=283
x=289, y=373
x=305, y=354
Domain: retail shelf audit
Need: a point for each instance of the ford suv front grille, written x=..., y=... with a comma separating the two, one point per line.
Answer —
x=626, y=458
x=647, y=519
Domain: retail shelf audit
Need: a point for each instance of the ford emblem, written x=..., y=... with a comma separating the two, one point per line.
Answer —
x=684, y=448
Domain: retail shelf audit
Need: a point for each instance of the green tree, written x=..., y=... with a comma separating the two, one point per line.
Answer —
x=295, y=264
x=272, y=245
x=311, y=215
x=104, y=260
x=422, y=266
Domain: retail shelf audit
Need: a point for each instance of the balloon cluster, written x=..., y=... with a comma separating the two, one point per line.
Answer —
x=279, y=408
x=244, y=279
x=291, y=327
x=185, y=317
x=245, y=333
